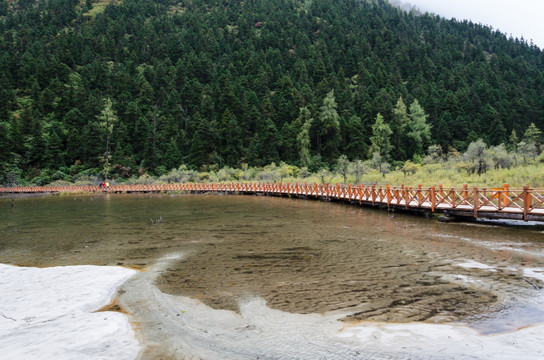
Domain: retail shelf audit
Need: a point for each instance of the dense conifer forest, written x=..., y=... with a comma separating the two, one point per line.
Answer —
x=141, y=86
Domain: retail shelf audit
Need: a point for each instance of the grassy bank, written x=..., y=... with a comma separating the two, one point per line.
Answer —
x=425, y=174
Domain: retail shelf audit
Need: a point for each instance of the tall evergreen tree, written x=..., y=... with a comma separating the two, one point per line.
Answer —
x=380, y=141
x=330, y=127
x=303, y=138
x=418, y=129
x=356, y=146
x=107, y=120
x=532, y=134
x=399, y=124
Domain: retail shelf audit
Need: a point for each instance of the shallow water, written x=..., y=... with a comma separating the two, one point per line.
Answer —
x=299, y=256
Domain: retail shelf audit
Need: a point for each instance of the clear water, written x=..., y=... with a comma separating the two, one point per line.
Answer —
x=299, y=256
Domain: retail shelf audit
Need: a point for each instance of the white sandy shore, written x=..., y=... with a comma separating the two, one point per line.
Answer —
x=48, y=313
x=455, y=341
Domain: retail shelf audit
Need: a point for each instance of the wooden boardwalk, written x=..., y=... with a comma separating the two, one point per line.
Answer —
x=494, y=203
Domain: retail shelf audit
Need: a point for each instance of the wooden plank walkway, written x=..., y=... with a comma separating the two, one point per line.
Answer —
x=497, y=203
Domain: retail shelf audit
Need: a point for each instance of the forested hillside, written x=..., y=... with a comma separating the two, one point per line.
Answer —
x=142, y=86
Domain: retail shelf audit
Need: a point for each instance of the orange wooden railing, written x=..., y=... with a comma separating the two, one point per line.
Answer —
x=525, y=201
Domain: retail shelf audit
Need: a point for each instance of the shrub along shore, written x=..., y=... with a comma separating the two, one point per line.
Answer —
x=480, y=166
x=354, y=172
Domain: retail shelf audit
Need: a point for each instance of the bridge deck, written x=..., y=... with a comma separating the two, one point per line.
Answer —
x=505, y=203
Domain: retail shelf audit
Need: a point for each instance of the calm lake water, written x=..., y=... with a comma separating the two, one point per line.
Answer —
x=300, y=256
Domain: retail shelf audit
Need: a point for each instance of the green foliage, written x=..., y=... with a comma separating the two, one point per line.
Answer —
x=107, y=120
x=180, y=175
x=409, y=168
x=330, y=127
x=399, y=123
x=380, y=139
x=419, y=132
x=303, y=137
x=532, y=134
x=357, y=169
x=527, y=151
x=342, y=166
x=478, y=157
x=435, y=155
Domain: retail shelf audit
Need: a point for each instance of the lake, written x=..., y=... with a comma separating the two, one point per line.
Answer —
x=296, y=256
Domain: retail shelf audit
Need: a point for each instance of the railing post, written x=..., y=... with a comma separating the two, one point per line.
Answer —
x=360, y=192
x=526, y=202
x=433, y=198
x=465, y=193
x=406, y=197
x=504, y=197
x=349, y=192
x=388, y=194
x=476, y=201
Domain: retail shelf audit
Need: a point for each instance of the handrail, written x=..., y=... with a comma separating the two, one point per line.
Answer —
x=525, y=201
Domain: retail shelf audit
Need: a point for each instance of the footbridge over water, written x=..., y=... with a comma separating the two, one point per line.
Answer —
x=492, y=203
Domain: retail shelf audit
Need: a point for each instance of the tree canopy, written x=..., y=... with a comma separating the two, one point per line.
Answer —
x=214, y=83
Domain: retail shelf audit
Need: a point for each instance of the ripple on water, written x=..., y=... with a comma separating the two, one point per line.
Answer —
x=299, y=256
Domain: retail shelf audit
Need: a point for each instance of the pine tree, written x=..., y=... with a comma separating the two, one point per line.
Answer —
x=380, y=141
x=356, y=146
x=202, y=143
x=268, y=142
x=513, y=141
x=418, y=129
x=230, y=139
x=532, y=134
x=53, y=153
x=172, y=155
x=399, y=124
x=303, y=138
x=330, y=127
x=107, y=120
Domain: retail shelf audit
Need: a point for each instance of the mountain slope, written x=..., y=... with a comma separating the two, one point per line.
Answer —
x=224, y=82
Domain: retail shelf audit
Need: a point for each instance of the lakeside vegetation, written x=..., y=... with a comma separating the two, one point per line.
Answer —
x=478, y=166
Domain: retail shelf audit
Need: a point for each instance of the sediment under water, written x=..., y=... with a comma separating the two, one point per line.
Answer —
x=299, y=256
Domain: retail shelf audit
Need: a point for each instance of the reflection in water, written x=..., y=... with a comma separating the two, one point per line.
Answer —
x=300, y=256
